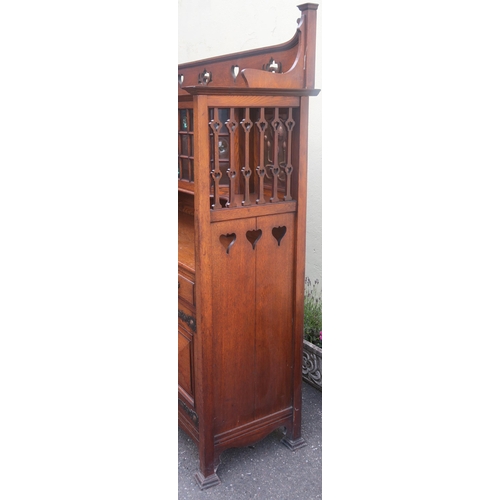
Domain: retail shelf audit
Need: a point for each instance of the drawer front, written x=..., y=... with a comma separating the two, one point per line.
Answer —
x=186, y=289
x=187, y=317
x=185, y=357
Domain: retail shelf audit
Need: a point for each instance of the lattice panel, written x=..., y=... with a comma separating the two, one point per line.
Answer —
x=252, y=156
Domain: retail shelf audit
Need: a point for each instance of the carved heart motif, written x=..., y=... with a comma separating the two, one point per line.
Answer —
x=278, y=233
x=227, y=241
x=254, y=236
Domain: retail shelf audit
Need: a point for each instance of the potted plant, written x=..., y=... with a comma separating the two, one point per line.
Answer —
x=313, y=335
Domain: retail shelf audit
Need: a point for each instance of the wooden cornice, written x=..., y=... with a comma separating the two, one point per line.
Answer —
x=205, y=90
x=284, y=68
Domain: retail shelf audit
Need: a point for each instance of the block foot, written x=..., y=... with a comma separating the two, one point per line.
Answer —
x=206, y=482
x=292, y=444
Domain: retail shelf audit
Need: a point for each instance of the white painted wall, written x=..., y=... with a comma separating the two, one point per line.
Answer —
x=214, y=27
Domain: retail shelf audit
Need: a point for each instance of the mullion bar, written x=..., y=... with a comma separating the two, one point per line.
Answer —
x=275, y=169
x=216, y=172
x=246, y=123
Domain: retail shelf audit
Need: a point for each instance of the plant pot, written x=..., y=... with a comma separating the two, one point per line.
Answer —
x=312, y=364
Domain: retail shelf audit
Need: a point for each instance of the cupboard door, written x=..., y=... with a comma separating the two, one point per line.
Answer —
x=274, y=285
x=233, y=312
x=253, y=306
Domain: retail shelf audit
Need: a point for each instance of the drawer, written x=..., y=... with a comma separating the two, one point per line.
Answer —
x=187, y=317
x=186, y=289
x=185, y=356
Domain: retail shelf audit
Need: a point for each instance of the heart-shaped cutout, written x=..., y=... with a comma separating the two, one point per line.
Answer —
x=227, y=241
x=278, y=233
x=253, y=236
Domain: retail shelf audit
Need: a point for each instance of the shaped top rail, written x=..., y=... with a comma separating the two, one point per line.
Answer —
x=289, y=66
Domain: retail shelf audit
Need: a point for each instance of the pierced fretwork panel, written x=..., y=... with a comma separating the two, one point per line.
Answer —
x=252, y=159
x=186, y=146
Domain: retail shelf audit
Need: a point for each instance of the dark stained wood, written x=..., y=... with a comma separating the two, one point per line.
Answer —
x=241, y=245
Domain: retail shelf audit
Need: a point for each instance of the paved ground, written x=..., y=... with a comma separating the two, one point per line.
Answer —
x=268, y=470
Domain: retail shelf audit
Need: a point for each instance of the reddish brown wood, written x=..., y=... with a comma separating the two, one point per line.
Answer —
x=293, y=438
x=274, y=260
x=295, y=57
x=242, y=258
x=246, y=171
x=232, y=172
x=203, y=342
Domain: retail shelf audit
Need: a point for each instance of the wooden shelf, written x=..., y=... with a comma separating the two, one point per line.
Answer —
x=186, y=254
